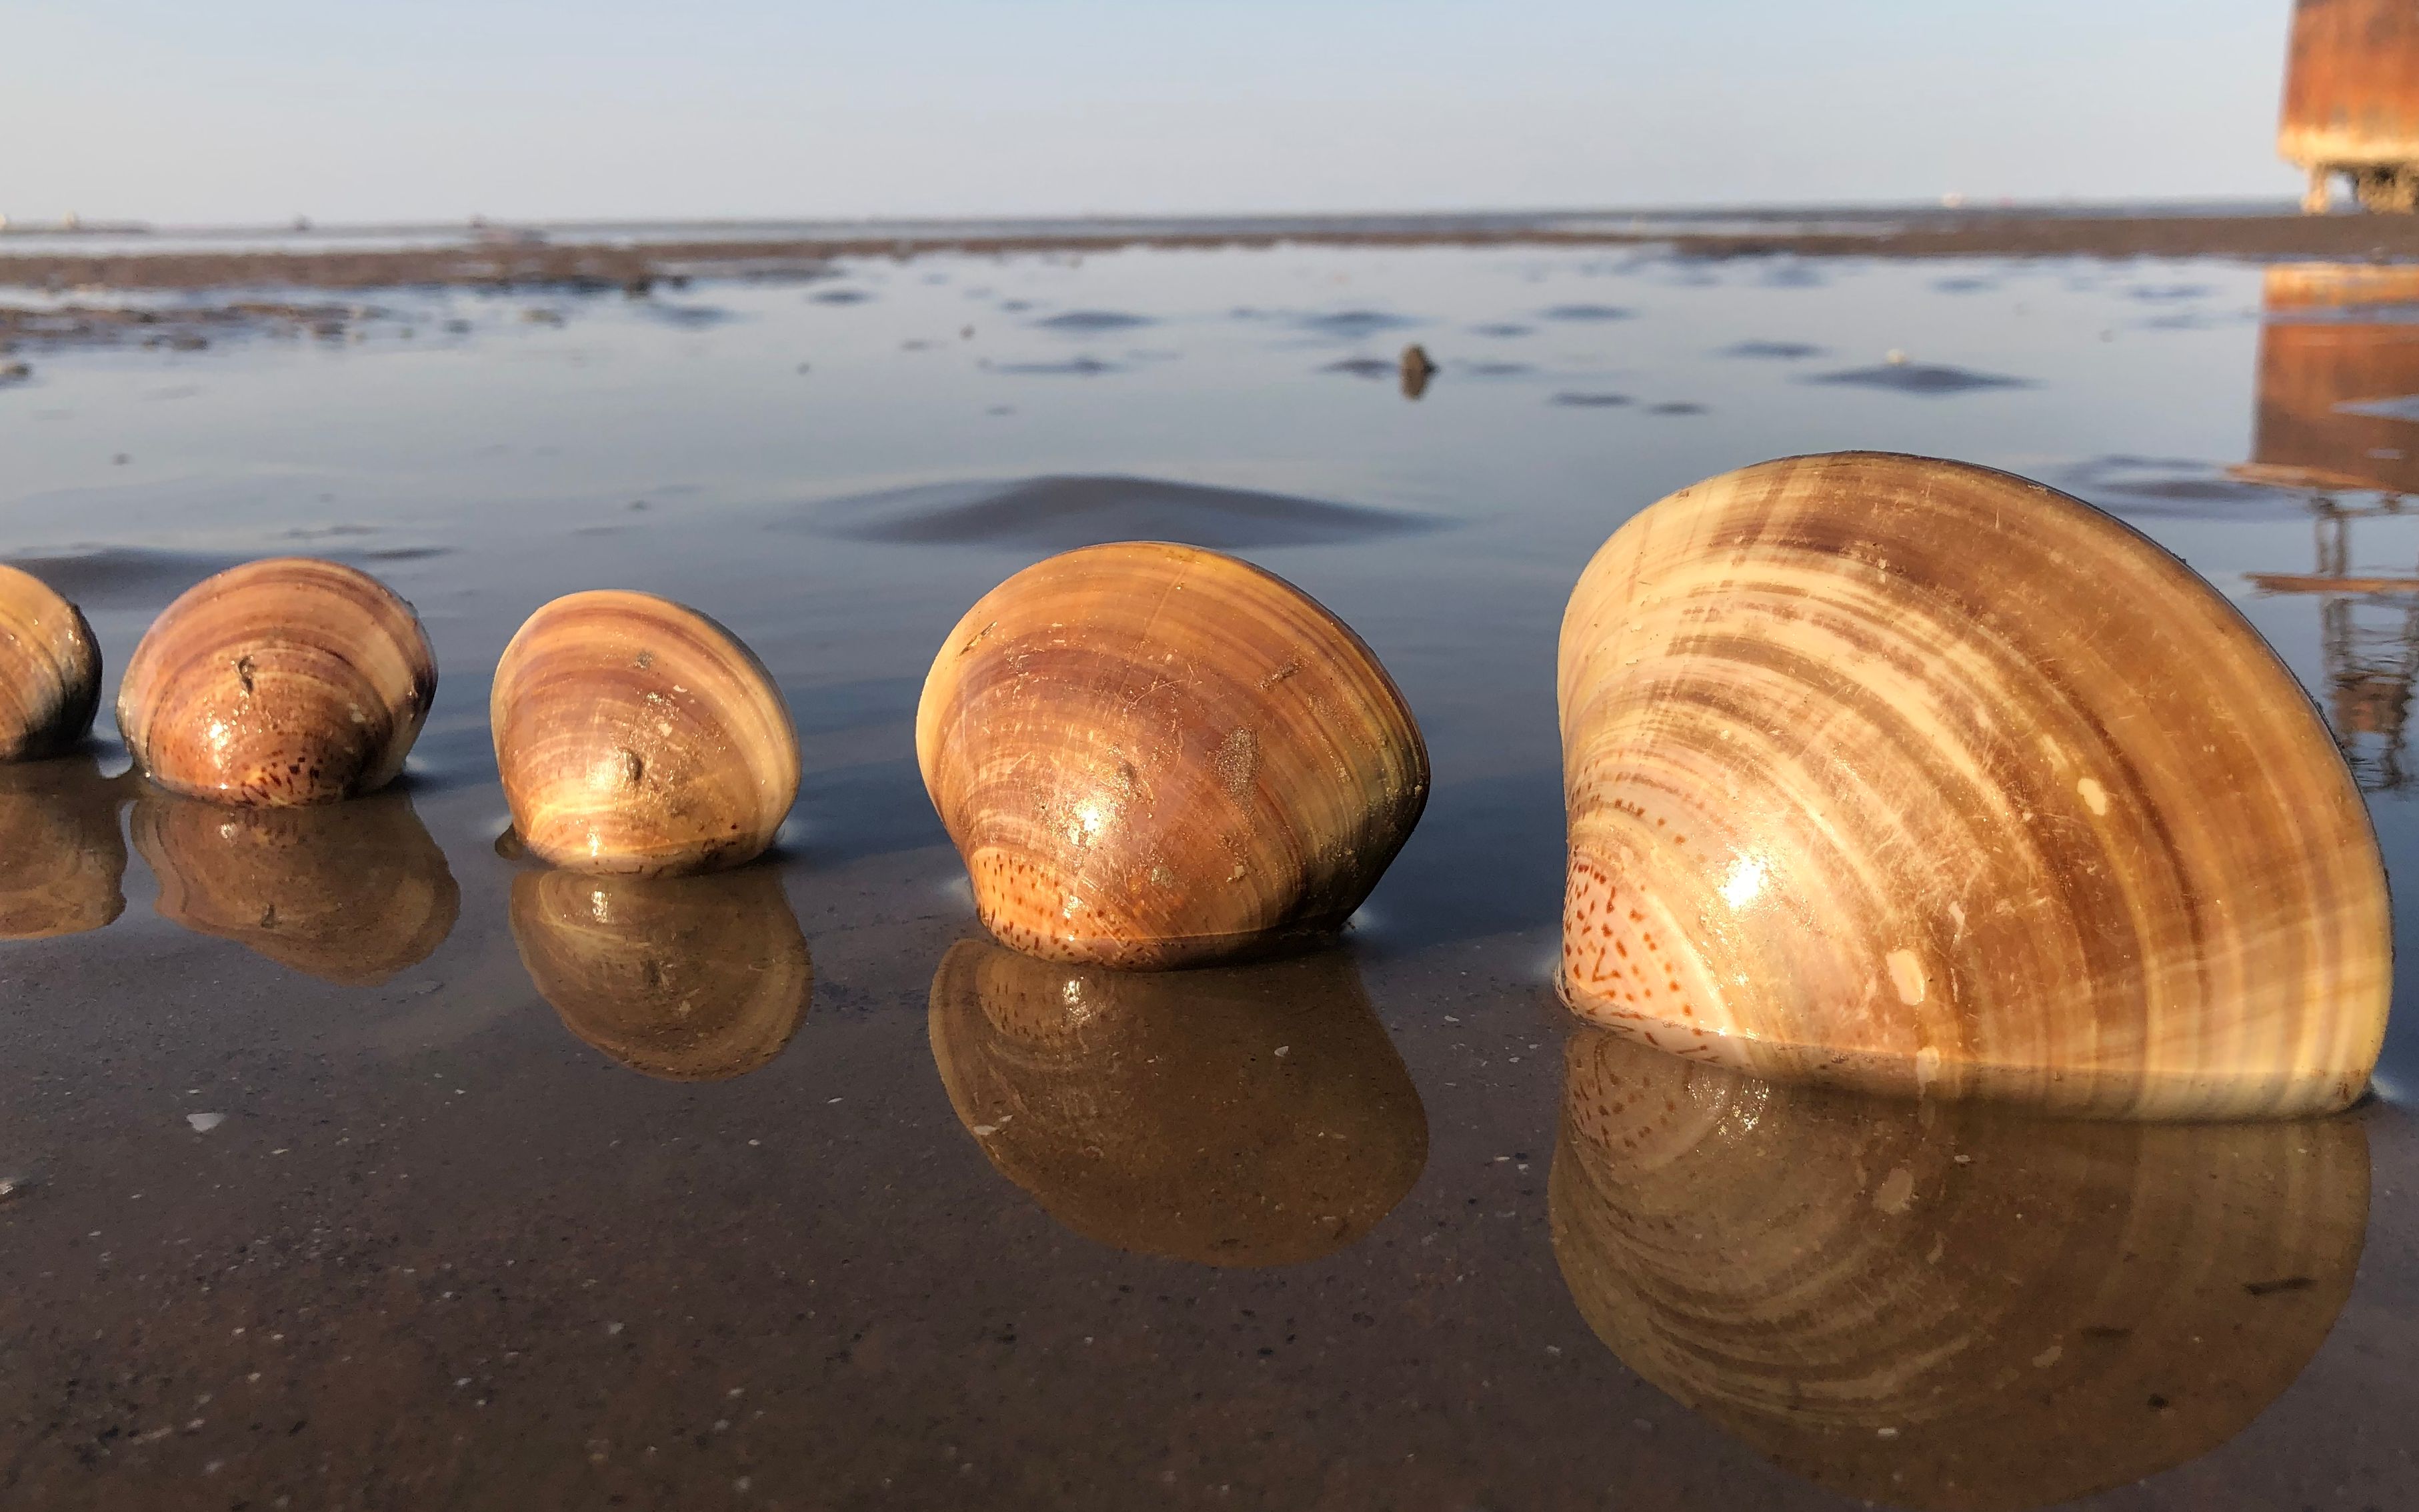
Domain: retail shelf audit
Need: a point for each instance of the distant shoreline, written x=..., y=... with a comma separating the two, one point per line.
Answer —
x=602, y=266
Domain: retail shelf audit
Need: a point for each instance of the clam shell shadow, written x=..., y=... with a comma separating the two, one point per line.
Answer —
x=684, y=979
x=351, y=893
x=62, y=861
x=1947, y=1306
x=1245, y=1115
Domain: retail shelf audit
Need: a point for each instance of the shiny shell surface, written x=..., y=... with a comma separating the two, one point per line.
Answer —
x=1919, y=776
x=280, y=682
x=49, y=669
x=1234, y=1116
x=684, y=979
x=636, y=736
x=351, y=893
x=1947, y=1306
x=1152, y=755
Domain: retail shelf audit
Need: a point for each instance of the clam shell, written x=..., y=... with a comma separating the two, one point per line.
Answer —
x=1950, y=1305
x=1154, y=755
x=49, y=669
x=278, y=683
x=1919, y=776
x=1236, y=1116
x=686, y=978
x=636, y=736
x=350, y=894
x=62, y=861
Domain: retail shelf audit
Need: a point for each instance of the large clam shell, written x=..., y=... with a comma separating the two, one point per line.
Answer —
x=686, y=978
x=1947, y=1306
x=1916, y=775
x=278, y=683
x=1154, y=755
x=351, y=893
x=62, y=861
x=636, y=736
x=49, y=669
x=1236, y=1116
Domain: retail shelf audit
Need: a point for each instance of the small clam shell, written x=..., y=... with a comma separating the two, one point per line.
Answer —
x=49, y=669
x=1154, y=755
x=351, y=893
x=62, y=861
x=1919, y=776
x=686, y=978
x=636, y=736
x=278, y=683
x=1235, y=1116
x=1950, y=1305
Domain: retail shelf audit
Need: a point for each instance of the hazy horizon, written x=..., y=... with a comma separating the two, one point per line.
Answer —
x=265, y=110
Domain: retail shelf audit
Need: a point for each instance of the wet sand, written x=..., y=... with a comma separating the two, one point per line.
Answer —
x=608, y=268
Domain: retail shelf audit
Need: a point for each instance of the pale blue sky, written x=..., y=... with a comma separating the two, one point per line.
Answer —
x=253, y=110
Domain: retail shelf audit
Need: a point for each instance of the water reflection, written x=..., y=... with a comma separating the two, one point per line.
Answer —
x=1953, y=1305
x=348, y=892
x=2339, y=414
x=1245, y=1115
x=686, y=978
x=62, y=861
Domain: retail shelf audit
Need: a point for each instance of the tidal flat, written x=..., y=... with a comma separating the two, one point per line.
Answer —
x=349, y=1159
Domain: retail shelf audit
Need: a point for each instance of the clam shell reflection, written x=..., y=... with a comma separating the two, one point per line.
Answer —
x=350, y=892
x=1947, y=1306
x=689, y=979
x=62, y=861
x=1244, y=1116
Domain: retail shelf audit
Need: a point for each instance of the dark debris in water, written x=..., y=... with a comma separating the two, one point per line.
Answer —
x=839, y=296
x=1929, y=379
x=1071, y=367
x=2181, y=487
x=1367, y=367
x=1061, y=512
x=1777, y=351
x=1082, y=322
x=1676, y=407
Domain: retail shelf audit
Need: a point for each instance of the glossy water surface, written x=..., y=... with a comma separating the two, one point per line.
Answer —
x=347, y=1160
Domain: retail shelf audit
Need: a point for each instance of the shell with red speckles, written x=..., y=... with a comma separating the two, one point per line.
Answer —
x=1153, y=755
x=1916, y=775
x=277, y=683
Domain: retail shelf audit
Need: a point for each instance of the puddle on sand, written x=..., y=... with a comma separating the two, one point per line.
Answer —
x=341, y=1150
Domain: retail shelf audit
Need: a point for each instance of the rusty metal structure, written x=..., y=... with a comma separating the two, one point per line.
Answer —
x=2338, y=418
x=2351, y=101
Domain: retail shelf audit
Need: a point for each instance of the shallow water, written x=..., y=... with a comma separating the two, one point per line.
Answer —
x=347, y=1161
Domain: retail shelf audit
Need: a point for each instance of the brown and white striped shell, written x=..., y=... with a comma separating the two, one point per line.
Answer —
x=686, y=978
x=1947, y=1306
x=1234, y=1116
x=62, y=859
x=280, y=682
x=636, y=736
x=49, y=669
x=1919, y=776
x=1154, y=755
x=349, y=893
